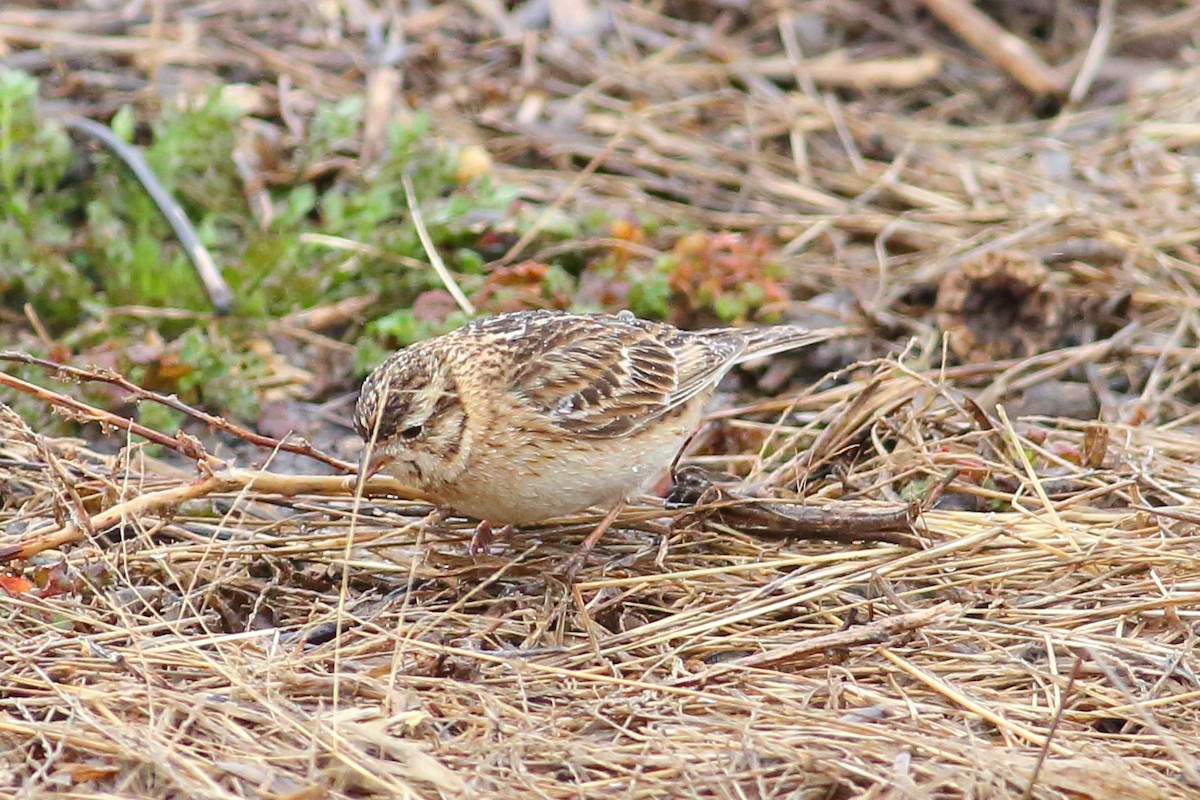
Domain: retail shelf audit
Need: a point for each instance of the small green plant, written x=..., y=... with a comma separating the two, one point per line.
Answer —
x=995, y=503
x=650, y=295
x=917, y=489
x=34, y=237
x=77, y=243
x=728, y=274
x=404, y=327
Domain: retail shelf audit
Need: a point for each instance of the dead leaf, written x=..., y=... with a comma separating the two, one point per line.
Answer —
x=15, y=585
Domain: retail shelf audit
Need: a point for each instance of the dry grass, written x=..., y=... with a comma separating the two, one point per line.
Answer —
x=1054, y=613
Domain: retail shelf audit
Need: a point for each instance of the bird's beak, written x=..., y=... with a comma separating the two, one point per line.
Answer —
x=371, y=461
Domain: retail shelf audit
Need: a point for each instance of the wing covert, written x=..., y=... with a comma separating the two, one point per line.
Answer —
x=604, y=377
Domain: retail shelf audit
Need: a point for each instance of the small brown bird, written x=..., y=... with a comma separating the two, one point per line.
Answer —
x=537, y=414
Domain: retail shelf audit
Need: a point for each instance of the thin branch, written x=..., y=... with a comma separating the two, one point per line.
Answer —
x=857, y=636
x=223, y=480
x=1045, y=751
x=300, y=447
x=839, y=522
x=219, y=294
x=87, y=413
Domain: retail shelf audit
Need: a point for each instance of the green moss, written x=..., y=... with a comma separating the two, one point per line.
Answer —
x=76, y=243
x=402, y=327
x=650, y=295
x=34, y=234
x=918, y=489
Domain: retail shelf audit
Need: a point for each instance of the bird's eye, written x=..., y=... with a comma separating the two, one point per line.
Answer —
x=412, y=432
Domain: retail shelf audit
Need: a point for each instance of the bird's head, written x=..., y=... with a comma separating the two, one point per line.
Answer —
x=411, y=419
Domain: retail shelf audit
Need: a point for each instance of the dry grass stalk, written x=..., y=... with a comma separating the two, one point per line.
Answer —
x=952, y=658
x=196, y=648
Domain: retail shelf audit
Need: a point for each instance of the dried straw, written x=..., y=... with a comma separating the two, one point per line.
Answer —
x=1042, y=645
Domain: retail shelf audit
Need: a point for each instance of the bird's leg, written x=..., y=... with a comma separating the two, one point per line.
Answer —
x=683, y=448
x=589, y=542
x=484, y=535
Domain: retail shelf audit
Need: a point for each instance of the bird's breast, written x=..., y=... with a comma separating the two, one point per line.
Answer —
x=532, y=477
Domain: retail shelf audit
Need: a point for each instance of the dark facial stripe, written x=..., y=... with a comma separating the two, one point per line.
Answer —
x=447, y=403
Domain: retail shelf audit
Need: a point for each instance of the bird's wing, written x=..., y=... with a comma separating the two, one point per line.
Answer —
x=604, y=378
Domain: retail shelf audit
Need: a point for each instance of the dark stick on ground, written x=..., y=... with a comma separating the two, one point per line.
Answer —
x=843, y=522
x=218, y=291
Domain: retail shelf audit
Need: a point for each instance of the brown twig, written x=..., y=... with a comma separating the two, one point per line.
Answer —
x=51, y=537
x=136, y=392
x=213, y=482
x=1045, y=750
x=219, y=476
x=856, y=636
x=88, y=413
x=844, y=522
x=1002, y=48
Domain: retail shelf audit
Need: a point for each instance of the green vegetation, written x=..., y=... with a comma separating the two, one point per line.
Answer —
x=81, y=240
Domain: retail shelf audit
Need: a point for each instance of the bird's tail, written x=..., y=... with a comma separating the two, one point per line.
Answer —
x=767, y=341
